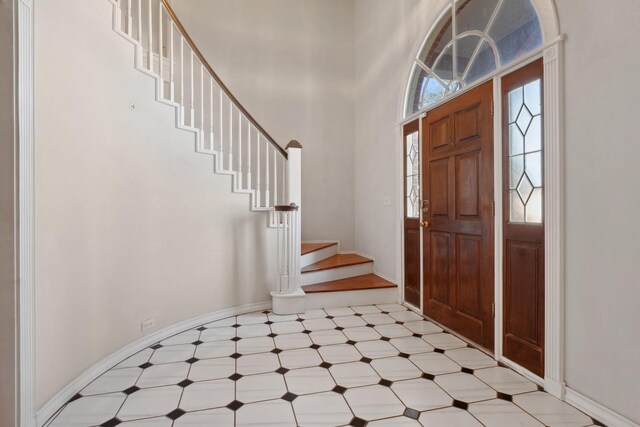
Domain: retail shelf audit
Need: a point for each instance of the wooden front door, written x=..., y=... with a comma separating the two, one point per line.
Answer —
x=411, y=149
x=523, y=227
x=458, y=220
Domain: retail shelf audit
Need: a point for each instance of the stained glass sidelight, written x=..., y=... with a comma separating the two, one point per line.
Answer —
x=525, y=153
x=412, y=165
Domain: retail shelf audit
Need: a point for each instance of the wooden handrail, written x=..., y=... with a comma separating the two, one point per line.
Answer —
x=217, y=78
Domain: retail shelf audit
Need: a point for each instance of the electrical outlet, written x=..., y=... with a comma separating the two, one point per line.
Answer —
x=147, y=324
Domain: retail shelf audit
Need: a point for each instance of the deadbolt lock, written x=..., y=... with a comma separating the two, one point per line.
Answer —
x=424, y=224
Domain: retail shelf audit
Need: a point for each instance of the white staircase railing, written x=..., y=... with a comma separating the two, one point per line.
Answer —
x=224, y=129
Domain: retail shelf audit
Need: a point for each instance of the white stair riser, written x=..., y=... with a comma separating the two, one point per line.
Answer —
x=352, y=298
x=319, y=255
x=331, y=274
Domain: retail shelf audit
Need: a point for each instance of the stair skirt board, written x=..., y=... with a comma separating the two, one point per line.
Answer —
x=352, y=298
x=319, y=255
x=338, y=273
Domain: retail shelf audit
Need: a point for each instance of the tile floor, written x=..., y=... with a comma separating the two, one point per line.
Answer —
x=353, y=366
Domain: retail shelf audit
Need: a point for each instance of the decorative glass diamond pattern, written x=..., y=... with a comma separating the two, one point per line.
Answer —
x=525, y=153
x=412, y=184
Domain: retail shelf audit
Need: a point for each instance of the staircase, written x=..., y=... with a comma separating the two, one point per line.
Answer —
x=330, y=278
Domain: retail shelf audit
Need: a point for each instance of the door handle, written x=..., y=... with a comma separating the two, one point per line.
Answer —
x=424, y=224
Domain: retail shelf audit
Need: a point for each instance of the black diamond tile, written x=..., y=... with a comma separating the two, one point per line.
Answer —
x=272, y=335
x=339, y=389
x=282, y=371
x=236, y=356
x=276, y=351
x=358, y=314
x=146, y=365
x=235, y=377
x=417, y=335
x=268, y=322
x=384, y=312
x=467, y=371
x=185, y=383
x=385, y=383
x=385, y=338
x=289, y=397
x=131, y=390
x=306, y=331
x=157, y=346
x=461, y=405
x=351, y=342
x=438, y=350
x=236, y=339
x=339, y=328
x=399, y=322
x=197, y=342
x=369, y=325
x=329, y=317
x=357, y=422
x=428, y=376
x=111, y=423
x=366, y=360
x=405, y=355
x=201, y=328
x=235, y=405
x=598, y=423
x=76, y=397
x=505, y=396
x=192, y=360
x=266, y=312
x=299, y=320
x=235, y=326
x=175, y=414
x=411, y=413
x=314, y=346
x=325, y=365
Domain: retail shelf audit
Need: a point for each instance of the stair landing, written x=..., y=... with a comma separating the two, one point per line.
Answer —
x=358, y=283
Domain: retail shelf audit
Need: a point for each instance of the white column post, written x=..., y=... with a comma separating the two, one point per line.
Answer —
x=294, y=192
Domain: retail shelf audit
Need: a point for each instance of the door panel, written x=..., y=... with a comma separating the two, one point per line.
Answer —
x=412, y=213
x=458, y=237
x=523, y=226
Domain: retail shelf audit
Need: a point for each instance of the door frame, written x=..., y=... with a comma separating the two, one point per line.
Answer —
x=552, y=54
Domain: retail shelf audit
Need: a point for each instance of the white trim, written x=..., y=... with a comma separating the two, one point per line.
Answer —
x=596, y=410
x=63, y=396
x=26, y=264
x=522, y=371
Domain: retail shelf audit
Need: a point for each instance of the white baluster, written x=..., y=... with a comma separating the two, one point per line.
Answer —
x=192, y=92
x=239, y=174
x=182, y=120
x=213, y=145
x=249, y=182
x=221, y=130
x=160, y=50
x=275, y=176
x=171, y=68
x=150, y=41
x=258, y=188
x=202, y=103
x=230, y=135
x=267, y=176
x=140, y=23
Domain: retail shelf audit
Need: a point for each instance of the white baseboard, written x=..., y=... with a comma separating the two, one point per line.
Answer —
x=350, y=298
x=63, y=396
x=596, y=410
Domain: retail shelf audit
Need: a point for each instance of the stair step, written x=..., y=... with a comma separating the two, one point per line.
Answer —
x=307, y=248
x=358, y=283
x=337, y=261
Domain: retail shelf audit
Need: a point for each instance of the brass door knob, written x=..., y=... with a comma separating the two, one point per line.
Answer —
x=424, y=224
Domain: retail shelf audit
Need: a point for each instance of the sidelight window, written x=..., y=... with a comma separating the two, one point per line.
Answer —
x=412, y=175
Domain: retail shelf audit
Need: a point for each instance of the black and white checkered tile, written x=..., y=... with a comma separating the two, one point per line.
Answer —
x=354, y=366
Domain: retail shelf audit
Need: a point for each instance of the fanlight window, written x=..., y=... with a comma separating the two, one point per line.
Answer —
x=472, y=39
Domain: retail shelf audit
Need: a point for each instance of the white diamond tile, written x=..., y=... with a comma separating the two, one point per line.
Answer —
x=411, y=345
x=282, y=317
x=349, y=321
x=113, y=381
x=217, y=334
x=470, y=358
x=393, y=331
x=328, y=337
x=152, y=402
x=362, y=333
x=340, y=353
x=449, y=417
x=270, y=413
x=290, y=341
x=255, y=345
x=505, y=380
x=435, y=363
x=167, y=374
x=137, y=359
x=213, y=417
x=313, y=314
x=149, y=422
x=551, y=411
x=444, y=341
x=309, y=380
x=465, y=387
x=500, y=413
x=173, y=353
x=91, y=410
x=340, y=311
x=186, y=337
x=395, y=422
x=374, y=402
x=324, y=409
x=366, y=309
x=391, y=307
x=405, y=316
x=354, y=374
x=378, y=318
x=251, y=318
x=254, y=388
x=212, y=369
x=210, y=350
x=222, y=323
x=423, y=327
x=319, y=324
x=287, y=327
x=300, y=358
x=257, y=363
x=250, y=331
x=421, y=394
x=376, y=349
x=395, y=368
x=207, y=395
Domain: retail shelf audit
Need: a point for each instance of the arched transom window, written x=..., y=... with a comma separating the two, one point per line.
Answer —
x=472, y=39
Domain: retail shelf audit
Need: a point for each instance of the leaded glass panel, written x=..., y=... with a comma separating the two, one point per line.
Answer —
x=412, y=179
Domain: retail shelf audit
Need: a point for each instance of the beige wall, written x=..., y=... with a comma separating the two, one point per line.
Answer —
x=291, y=63
x=602, y=235
x=131, y=223
x=7, y=221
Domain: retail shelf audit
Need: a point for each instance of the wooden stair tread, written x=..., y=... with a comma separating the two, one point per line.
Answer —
x=307, y=248
x=358, y=283
x=336, y=261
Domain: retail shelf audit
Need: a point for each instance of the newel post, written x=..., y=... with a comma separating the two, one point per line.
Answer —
x=289, y=297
